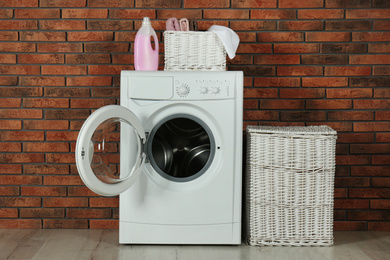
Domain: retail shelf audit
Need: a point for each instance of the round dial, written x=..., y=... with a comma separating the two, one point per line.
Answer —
x=183, y=90
x=204, y=90
x=216, y=90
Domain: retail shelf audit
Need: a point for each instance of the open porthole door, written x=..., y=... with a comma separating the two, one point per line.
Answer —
x=109, y=150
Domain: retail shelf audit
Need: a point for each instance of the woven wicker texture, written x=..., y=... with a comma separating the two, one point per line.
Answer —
x=193, y=51
x=289, y=185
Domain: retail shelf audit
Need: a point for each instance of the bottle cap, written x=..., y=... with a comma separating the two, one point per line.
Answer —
x=146, y=21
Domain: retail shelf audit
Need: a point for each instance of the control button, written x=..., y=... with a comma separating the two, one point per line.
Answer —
x=216, y=90
x=204, y=90
x=183, y=90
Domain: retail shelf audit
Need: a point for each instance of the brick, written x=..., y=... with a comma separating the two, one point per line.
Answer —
x=104, y=224
x=277, y=59
x=90, y=36
x=351, y=203
x=19, y=69
x=45, y=147
x=63, y=3
x=104, y=202
x=64, y=70
x=41, y=58
x=85, y=13
x=60, y=47
x=20, y=223
x=296, y=48
x=65, y=202
x=380, y=182
x=321, y=14
x=381, y=70
x=10, y=102
x=347, y=25
x=20, y=113
x=66, y=25
x=67, y=114
x=67, y=92
x=19, y=3
x=325, y=59
x=46, y=102
x=381, y=25
x=42, y=81
x=251, y=104
x=328, y=104
x=8, y=36
x=378, y=226
x=205, y=3
x=46, y=124
x=61, y=136
x=60, y=158
x=8, y=81
x=20, y=202
x=303, y=116
x=328, y=36
x=65, y=223
x=343, y=48
x=140, y=13
x=272, y=14
x=45, y=169
x=238, y=60
x=10, y=147
x=382, y=115
x=372, y=104
x=42, y=191
x=112, y=3
x=106, y=47
x=91, y=103
x=380, y=159
x=260, y=93
x=11, y=124
x=369, y=59
x=87, y=58
x=276, y=82
x=380, y=3
x=352, y=182
x=340, y=193
x=300, y=71
x=368, y=14
x=41, y=213
x=18, y=25
x=352, y=159
x=74, y=191
x=350, y=225
x=280, y=36
x=349, y=93
x=9, y=191
x=88, y=213
x=231, y=14
x=7, y=58
x=369, y=148
x=9, y=213
x=22, y=158
x=370, y=36
x=347, y=3
x=302, y=93
x=370, y=171
x=380, y=204
x=369, y=82
x=355, y=138
x=17, y=47
x=372, y=193
x=111, y=25
x=107, y=69
x=6, y=13
x=348, y=71
x=300, y=3
x=253, y=25
x=383, y=137
x=350, y=115
x=371, y=127
x=105, y=92
x=254, y=4
x=40, y=13
x=89, y=81
x=325, y=82
x=256, y=71
x=254, y=48
x=282, y=104
x=300, y=26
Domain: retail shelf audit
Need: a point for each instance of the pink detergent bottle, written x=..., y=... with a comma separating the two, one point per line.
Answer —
x=145, y=56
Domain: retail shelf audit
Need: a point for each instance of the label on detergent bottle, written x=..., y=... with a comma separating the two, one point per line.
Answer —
x=145, y=56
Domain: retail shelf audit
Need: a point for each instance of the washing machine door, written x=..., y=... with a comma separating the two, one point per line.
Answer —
x=109, y=150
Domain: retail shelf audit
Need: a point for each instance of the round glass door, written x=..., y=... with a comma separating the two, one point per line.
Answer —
x=109, y=150
x=181, y=148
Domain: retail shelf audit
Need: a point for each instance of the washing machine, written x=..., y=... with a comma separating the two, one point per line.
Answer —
x=172, y=151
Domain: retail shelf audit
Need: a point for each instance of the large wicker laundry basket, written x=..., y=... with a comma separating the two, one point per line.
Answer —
x=188, y=50
x=289, y=185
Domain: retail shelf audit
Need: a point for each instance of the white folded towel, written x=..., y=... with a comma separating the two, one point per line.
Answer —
x=229, y=38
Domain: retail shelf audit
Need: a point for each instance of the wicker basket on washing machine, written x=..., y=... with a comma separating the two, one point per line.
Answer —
x=289, y=185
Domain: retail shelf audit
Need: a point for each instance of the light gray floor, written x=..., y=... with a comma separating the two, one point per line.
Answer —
x=103, y=244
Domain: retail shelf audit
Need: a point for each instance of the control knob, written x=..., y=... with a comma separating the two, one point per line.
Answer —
x=183, y=90
x=204, y=90
x=216, y=90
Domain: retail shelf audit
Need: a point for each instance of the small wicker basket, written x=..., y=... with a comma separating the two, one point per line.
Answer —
x=289, y=185
x=188, y=50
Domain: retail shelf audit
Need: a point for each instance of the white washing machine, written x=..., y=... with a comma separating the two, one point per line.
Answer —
x=173, y=151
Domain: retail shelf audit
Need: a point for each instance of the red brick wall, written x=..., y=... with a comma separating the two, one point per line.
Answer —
x=305, y=63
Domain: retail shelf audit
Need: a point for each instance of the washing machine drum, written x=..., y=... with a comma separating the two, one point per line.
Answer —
x=181, y=148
